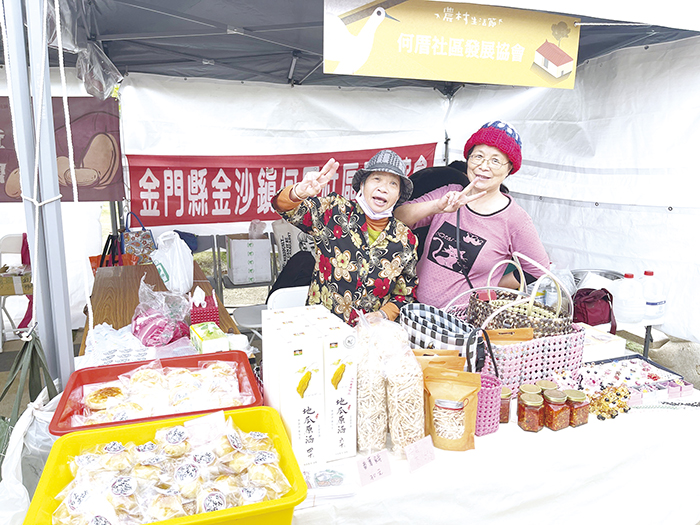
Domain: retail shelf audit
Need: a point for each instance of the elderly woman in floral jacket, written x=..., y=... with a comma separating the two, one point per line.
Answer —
x=365, y=258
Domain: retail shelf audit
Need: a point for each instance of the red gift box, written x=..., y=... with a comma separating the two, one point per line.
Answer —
x=204, y=314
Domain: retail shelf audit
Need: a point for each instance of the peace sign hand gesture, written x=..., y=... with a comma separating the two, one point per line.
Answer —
x=453, y=200
x=315, y=181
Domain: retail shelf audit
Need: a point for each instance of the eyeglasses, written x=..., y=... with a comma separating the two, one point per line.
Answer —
x=494, y=162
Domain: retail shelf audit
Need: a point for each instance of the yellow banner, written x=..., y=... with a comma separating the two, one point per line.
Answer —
x=449, y=41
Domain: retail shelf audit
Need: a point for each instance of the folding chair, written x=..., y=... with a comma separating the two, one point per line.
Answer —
x=9, y=245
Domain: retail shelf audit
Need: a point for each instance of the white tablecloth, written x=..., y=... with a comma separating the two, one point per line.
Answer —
x=642, y=467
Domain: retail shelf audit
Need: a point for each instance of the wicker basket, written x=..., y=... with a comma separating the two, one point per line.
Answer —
x=488, y=412
x=541, y=358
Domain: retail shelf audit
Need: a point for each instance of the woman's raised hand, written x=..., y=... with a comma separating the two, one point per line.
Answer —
x=453, y=200
x=314, y=181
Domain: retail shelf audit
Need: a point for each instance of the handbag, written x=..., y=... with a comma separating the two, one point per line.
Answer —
x=544, y=320
x=138, y=242
x=429, y=327
x=516, y=359
x=594, y=307
x=112, y=255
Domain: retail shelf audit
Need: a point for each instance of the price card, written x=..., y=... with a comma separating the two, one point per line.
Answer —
x=374, y=467
x=420, y=453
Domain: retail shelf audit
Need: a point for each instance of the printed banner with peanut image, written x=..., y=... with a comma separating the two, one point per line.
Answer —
x=96, y=148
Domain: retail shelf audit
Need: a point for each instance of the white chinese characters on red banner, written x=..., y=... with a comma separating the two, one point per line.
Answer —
x=170, y=190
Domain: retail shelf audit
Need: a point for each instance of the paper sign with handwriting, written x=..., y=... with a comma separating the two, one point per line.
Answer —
x=420, y=453
x=374, y=467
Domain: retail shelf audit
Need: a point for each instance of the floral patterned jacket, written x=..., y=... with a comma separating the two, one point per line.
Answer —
x=350, y=273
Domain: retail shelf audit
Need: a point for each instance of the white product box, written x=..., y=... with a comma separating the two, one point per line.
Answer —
x=208, y=338
x=309, y=340
x=248, y=259
x=340, y=379
x=293, y=383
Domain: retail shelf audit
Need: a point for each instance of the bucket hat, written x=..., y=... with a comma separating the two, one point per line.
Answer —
x=388, y=161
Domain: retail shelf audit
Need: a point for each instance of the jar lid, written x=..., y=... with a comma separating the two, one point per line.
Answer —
x=576, y=395
x=555, y=396
x=449, y=404
x=506, y=392
x=546, y=385
x=532, y=400
x=527, y=388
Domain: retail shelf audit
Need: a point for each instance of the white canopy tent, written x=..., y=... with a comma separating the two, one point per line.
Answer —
x=608, y=169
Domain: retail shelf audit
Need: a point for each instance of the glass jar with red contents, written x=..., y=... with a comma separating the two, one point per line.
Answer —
x=579, y=406
x=528, y=388
x=531, y=412
x=506, y=395
x=556, y=411
x=545, y=385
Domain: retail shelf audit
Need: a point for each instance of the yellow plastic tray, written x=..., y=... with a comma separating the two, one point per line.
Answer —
x=56, y=474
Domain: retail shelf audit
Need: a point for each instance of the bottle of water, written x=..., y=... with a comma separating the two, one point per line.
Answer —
x=654, y=297
x=629, y=303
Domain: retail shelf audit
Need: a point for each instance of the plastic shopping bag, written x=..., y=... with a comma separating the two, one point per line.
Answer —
x=175, y=263
x=27, y=452
x=160, y=317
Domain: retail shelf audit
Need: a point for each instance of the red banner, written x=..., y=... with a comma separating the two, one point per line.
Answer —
x=170, y=190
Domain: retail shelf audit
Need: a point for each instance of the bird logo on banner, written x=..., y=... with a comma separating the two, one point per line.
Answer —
x=351, y=51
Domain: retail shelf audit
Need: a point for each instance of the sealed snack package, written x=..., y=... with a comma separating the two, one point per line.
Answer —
x=160, y=317
x=371, y=389
x=404, y=391
x=451, y=407
x=448, y=362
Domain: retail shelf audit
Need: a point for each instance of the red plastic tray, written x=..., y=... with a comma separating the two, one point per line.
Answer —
x=60, y=423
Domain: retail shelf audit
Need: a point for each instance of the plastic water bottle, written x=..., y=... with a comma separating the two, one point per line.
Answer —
x=654, y=297
x=629, y=303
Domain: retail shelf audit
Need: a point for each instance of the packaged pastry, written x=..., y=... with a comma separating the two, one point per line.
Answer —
x=211, y=499
x=257, y=441
x=103, y=397
x=240, y=461
x=187, y=479
x=122, y=496
x=173, y=441
x=207, y=461
x=165, y=507
x=146, y=378
x=178, y=377
x=124, y=412
x=115, y=456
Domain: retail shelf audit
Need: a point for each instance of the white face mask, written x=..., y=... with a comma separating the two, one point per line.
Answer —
x=369, y=211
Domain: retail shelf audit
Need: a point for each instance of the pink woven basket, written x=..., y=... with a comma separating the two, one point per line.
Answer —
x=541, y=358
x=488, y=411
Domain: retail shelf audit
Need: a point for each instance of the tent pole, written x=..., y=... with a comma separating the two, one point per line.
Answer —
x=53, y=307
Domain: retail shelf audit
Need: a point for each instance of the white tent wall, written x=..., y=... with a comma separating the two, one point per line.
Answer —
x=82, y=234
x=175, y=116
x=608, y=172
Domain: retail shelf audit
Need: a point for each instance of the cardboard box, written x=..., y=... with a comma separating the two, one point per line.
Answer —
x=16, y=281
x=248, y=259
x=311, y=341
x=208, y=338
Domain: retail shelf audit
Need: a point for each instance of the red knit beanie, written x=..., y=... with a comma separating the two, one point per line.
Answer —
x=498, y=135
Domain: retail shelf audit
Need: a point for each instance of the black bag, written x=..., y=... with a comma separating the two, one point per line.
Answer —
x=594, y=307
